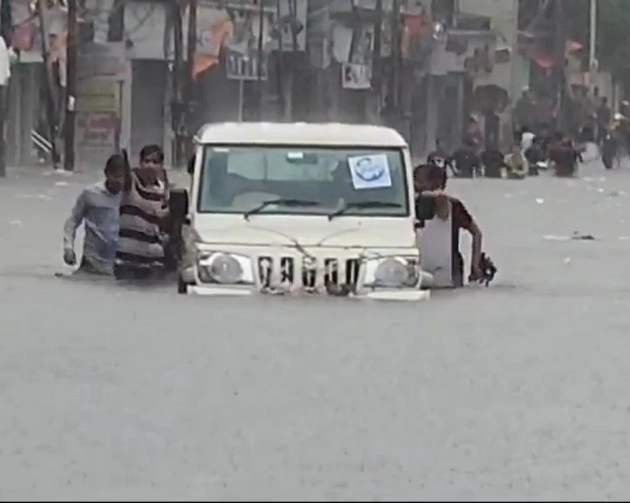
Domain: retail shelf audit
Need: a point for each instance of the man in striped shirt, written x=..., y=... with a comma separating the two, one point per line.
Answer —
x=143, y=219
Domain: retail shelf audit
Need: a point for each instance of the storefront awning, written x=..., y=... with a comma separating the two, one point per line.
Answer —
x=547, y=61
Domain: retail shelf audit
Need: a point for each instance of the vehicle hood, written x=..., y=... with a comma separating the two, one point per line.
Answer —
x=346, y=232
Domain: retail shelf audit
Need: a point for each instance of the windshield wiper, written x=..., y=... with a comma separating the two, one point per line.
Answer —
x=289, y=203
x=360, y=205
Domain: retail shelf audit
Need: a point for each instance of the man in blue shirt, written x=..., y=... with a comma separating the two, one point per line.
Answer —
x=98, y=207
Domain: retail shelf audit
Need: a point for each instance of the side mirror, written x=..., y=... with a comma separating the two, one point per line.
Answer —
x=191, y=165
x=178, y=204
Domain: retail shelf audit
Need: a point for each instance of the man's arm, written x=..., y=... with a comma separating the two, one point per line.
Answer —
x=477, y=245
x=74, y=221
x=128, y=173
x=442, y=206
x=464, y=220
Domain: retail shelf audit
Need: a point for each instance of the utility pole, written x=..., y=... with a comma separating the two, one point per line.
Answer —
x=177, y=112
x=378, y=42
x=294, y=25
x=190, y=71
x=51, y=110
x=261, y=26
x=280, y=61
x=560, y=60
x=72, y=50
x=395, y=81
x=592, y=53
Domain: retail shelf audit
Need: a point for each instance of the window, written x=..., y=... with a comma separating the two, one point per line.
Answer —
x=236, y=179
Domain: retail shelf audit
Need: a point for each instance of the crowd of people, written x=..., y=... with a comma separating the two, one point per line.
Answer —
x=536, y=145
x=531, y=151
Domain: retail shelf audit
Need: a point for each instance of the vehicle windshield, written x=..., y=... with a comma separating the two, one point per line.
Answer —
x=350, y=181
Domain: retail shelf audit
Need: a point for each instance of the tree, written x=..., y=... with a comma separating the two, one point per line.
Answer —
x=613, y=36
x=6, y=21
x=613, y=32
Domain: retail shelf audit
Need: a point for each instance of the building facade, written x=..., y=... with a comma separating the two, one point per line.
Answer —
x=420, y=66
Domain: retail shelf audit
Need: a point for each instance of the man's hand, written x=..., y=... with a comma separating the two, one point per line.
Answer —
x=484, y=272
x=476, y=273
x=69, y=257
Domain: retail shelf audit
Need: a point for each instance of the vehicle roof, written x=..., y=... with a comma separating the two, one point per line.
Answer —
x=300, y=133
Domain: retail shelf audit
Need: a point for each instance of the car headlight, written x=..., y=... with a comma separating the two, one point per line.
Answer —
x=394, y=272
x=224, y=268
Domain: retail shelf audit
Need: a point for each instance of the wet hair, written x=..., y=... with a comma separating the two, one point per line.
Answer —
x=431, y=173
x=152, y=150
x=115, y=165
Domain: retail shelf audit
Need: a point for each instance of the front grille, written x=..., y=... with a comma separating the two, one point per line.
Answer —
x=287, y=269
x=307, y=273
x=265, y=270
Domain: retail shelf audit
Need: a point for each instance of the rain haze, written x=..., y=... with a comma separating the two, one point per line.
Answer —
x=118, y=390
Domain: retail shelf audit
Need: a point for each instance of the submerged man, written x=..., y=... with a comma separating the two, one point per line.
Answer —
x=144, y=219
x=517, y=167
x=564, y=155
x=97, y=207
x=465, y=161
x=493, y=160
x=460, y=219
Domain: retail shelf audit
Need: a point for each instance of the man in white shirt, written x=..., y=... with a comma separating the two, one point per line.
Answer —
x=6, y=55
x=527, y=140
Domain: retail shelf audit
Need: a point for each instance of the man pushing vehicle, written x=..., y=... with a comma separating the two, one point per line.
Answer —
x=431, y=185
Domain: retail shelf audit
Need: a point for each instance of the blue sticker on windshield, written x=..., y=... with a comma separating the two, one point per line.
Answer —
x=370, y=172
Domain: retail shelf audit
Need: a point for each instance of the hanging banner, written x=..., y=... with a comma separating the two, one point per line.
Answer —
x=240, y=67
x=356, y=76
x=234, y=28
x=98, y=121
x=106, y=61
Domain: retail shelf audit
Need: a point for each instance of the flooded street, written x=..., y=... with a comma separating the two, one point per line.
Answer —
x=517, y=391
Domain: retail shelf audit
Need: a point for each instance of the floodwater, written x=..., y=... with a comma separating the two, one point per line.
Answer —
x=516, y=391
